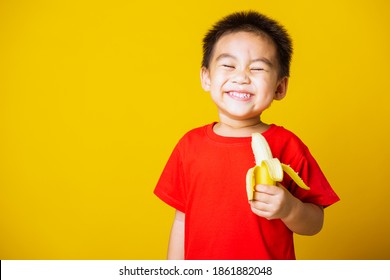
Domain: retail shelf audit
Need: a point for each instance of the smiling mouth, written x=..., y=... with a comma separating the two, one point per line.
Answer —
x=243, y=96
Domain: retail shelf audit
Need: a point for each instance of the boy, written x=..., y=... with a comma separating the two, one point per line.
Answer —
x=246, y=61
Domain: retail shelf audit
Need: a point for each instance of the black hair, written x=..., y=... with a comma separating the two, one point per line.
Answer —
x=251, y=21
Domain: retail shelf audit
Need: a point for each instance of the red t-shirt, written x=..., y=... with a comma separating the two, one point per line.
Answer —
x=205, y=178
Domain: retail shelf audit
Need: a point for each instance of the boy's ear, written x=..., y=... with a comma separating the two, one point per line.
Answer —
x=205, y=78
x=281, y=89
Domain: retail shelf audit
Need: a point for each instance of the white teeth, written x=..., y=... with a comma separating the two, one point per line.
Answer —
x=240, y=95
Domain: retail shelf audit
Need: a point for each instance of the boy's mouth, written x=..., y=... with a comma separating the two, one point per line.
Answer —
x=242, y=96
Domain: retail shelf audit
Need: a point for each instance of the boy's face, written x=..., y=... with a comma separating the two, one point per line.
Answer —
x=242, y=77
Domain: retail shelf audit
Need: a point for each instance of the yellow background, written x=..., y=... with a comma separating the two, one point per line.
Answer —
x=95, y=94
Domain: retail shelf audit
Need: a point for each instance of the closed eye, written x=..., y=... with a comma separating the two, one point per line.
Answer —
x=228, y=66
x=257, y=69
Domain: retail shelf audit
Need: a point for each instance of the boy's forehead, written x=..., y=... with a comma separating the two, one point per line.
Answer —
x=245, y=36
x=255, y=41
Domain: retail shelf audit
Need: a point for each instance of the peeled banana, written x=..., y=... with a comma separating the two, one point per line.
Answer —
x=268, y=170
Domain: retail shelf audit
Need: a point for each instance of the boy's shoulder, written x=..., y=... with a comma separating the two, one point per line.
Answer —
x=195, y=135
x=199, y=131
x=280, y=131
x=282, y=136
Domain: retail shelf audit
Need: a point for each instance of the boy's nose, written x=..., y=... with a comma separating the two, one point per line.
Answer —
x=241, y=77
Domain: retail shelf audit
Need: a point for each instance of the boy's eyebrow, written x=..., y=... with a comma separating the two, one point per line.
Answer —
x=261, y=59
x=225, y=55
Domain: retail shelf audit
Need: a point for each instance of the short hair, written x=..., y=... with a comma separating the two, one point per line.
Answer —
x=255, y=22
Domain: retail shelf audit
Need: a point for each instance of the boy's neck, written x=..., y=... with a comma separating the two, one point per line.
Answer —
x=240, y=128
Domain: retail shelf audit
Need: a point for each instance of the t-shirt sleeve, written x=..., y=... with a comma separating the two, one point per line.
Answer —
x=321, y=192
x=170, y=187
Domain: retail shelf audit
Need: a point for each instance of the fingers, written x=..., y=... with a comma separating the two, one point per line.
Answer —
x=263, y=195
x=267, y=189
x=262, y=203
x=259, y=210
x=265, y=210
x=267, y=201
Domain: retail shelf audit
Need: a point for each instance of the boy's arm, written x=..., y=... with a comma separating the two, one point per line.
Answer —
x=278, y=203
x=305, y=218
x=176, y=240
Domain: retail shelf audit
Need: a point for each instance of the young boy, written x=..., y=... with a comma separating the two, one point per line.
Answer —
x=245, y=67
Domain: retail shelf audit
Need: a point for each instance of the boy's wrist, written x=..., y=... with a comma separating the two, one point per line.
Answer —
x=294, y=205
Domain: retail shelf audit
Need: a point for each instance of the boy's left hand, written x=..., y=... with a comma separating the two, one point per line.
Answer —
x=272, y=202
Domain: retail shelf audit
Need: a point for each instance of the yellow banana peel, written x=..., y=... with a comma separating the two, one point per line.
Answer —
x=268, y=170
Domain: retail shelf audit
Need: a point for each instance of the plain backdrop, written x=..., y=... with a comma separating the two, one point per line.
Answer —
x=95, y=94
